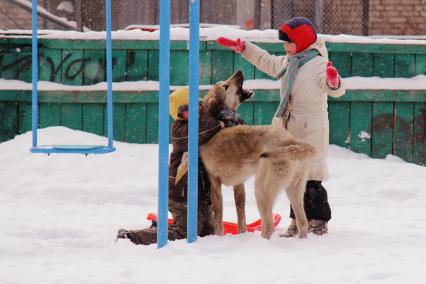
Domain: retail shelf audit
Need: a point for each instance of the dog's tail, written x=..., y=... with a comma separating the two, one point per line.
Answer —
x=298, y=151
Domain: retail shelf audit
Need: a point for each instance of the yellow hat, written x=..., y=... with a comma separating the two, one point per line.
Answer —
x=178, y=98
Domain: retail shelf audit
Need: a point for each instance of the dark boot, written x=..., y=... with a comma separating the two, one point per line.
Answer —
x=318, y=227
x=316, y=206
x=177, y=231
x=146, y=236
x=205, y=220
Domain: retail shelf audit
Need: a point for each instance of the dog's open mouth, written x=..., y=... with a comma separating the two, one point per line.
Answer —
x=245, y=95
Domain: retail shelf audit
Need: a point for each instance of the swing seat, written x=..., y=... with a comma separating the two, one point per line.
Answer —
x=73, y=149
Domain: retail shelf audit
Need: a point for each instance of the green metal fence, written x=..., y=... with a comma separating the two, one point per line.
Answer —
x=393, y=121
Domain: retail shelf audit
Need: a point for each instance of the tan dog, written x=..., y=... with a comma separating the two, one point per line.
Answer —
x=229, y=94
x=271, y=153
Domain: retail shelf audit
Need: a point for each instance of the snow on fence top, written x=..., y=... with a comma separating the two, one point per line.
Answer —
x=211, y=33
x=352, y=83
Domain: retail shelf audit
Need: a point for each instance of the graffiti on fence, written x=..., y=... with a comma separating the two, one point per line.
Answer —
x=60, y=66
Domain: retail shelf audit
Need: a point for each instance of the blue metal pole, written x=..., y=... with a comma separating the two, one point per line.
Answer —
x=34, y=72
x=163, y=132
x=109, y=74
x=194, y=15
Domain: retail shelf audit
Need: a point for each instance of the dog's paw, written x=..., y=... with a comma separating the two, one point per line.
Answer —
x=303, y=235
x=267, y=233
x=219, y=230
x=287, y=235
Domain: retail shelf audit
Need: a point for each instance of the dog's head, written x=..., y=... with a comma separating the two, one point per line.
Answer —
x=227, y=94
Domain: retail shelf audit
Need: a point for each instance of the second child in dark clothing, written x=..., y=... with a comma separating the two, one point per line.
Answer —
x=178, y=182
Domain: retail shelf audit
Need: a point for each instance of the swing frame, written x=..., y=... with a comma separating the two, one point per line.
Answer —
x=71, y=149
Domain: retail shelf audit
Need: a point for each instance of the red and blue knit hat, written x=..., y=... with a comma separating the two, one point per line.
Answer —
x=299, y=30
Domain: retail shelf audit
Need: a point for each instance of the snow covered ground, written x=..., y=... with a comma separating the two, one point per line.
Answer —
x=59, y=215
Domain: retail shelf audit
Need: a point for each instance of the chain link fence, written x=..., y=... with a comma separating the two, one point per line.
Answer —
x=84, y=15
x=356, y=17
x=329, y=17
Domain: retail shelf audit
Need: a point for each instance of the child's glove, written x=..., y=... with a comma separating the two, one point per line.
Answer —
x=236, y=45
x=332, y=76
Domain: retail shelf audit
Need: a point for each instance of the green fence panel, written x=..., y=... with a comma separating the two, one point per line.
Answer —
x=25, y=115
x=136, y=118
x=9, y=65
x=94, y=66
x=343, y=62
x=395, y=119
x=360, y=127
x=384, y=65
x=49, y=115
x=119, y=57
x=339, y=117
x=73, y=67
x=50, y=65
x=420, y=64
x=8, y=120
x=245, y=111
x=152, y=121
x=24, y=60
x=382, y=129
x=153, y=60
x=362, y=64
x=246, y=67
x=263, y=112
x=404, y=130
x=119, y=121
x=71, y=116
x=205, y=68
x=93, y=117
x=222, y=65
x=404, y=65
x=261, y=75
x=179, y=68
x=137, y=65
x=419, y=143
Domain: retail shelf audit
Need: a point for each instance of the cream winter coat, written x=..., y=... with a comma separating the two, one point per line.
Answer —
x=308, y=120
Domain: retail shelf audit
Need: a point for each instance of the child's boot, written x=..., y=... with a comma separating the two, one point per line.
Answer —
x=291, y=230
x=318, y=227
x=146, y=236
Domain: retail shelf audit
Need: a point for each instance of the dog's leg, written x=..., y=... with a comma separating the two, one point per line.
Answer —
x=265, y=191
x=240, y=204
x=217, y=204
x=295, y=194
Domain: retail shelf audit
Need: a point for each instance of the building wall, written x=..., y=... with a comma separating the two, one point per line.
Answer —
x=389, y=17
x=13, y=17
x=397, y=17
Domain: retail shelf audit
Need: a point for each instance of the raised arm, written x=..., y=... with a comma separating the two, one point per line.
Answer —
x=270, y=64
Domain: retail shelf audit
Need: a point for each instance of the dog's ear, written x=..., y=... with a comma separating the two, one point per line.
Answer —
x=214, y=102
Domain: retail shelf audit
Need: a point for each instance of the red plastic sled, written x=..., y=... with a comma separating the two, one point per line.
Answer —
x=229, y=228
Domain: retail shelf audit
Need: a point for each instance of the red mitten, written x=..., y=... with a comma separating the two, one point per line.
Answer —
x=332, y=76
x=236, y=45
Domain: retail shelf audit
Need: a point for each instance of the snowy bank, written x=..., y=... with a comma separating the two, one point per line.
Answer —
x=212, y=33
x=59, y=215
x=353, y=83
